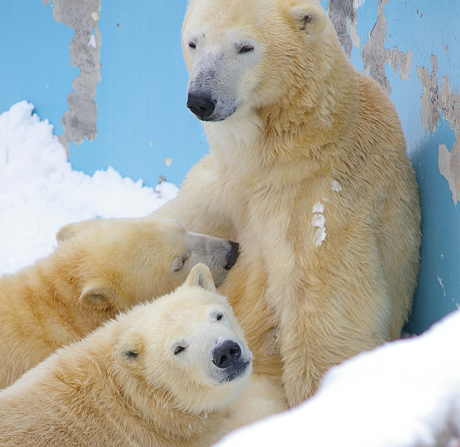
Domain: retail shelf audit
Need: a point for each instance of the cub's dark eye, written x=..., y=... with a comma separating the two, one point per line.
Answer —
x=246, y=49
x=192, y=45
x=178, y=349
x=219, y=317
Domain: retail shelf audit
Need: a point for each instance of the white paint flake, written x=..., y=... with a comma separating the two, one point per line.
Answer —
x=92, y=41
x=442, y=285
x=319, y=222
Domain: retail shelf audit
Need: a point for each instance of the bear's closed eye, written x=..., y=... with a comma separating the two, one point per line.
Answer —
x=178, y=349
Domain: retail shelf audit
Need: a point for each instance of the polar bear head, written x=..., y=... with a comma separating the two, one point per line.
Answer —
x=116, y=263
x=187, y=347
x=243, y=55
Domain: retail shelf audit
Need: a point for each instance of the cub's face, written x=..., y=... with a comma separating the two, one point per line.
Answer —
x=122, y=262
x=246, y=54
x=193, y=349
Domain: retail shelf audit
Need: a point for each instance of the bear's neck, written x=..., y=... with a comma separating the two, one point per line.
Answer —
x=154, y=411
x=300, y=127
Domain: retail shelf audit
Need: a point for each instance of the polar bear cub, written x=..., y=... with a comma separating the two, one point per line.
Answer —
x=162, y=374
x=98, y=269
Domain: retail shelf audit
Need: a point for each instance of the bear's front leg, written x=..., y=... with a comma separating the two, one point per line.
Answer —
x=325, y=320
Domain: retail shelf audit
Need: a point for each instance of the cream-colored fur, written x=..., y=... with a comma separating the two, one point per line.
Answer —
x=98, y=269
x=129, y=384
x=308, y=171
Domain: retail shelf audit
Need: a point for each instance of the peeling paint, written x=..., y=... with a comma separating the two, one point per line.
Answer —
x=430, y=108
x=434, y=102
x=353, y=33
x=449, y=104
x=373, y=52
x=449, y=163
x=442, y=285
x=343, y=15
x=375, y=55
x=399, y=59
x=449, y=167
x=79, y=121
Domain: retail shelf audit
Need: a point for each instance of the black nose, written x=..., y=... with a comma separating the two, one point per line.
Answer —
x=226, y=354
x=232, y=255
x=201, y=106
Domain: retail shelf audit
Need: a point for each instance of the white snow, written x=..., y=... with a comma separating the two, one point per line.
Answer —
x=92, y=41
x=318, y=208
x=336, y=186
x=318, y=221
x=403, y=394
x=39, y=191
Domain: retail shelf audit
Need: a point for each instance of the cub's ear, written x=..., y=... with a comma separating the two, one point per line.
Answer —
x=72, y=229
x=130, y=348
x=201, y=276
x=309, y=18
x=97, y=297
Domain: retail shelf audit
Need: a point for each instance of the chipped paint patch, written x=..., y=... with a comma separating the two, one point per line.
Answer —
x=442, y=285
x=399, y=59
x=343, y=15
x=79, y=121
x=375, y=55
x=353, y=33
x=443, y=101
x=449, y=167
x=430, y=108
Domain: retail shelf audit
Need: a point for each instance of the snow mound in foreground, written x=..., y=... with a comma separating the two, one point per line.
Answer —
x=403, y=394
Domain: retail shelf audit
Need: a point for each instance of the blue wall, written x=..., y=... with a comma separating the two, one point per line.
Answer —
x=143, y=124
x=145, y=130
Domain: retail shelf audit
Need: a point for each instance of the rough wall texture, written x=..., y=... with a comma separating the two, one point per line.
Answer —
x=79, y=121
x=435, y=101
x=428, y=33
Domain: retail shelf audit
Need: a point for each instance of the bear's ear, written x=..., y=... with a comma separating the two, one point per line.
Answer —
x=130, y=348
x=72, y=229
x=309, y=18
x=201, y=276
x=97, y=297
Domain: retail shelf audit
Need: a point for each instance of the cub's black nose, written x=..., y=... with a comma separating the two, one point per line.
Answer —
x=227, y=355
x=201, y=106
x=232, y=255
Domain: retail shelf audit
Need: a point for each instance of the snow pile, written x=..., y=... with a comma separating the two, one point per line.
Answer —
x=403, y=394
x=39, y=191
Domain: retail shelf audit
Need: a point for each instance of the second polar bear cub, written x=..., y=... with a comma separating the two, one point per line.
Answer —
x=99, y=268
x=163, y=374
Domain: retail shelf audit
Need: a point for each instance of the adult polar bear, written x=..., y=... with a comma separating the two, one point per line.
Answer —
x=308, y=171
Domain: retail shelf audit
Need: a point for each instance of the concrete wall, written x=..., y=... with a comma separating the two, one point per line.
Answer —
x=110, y=77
